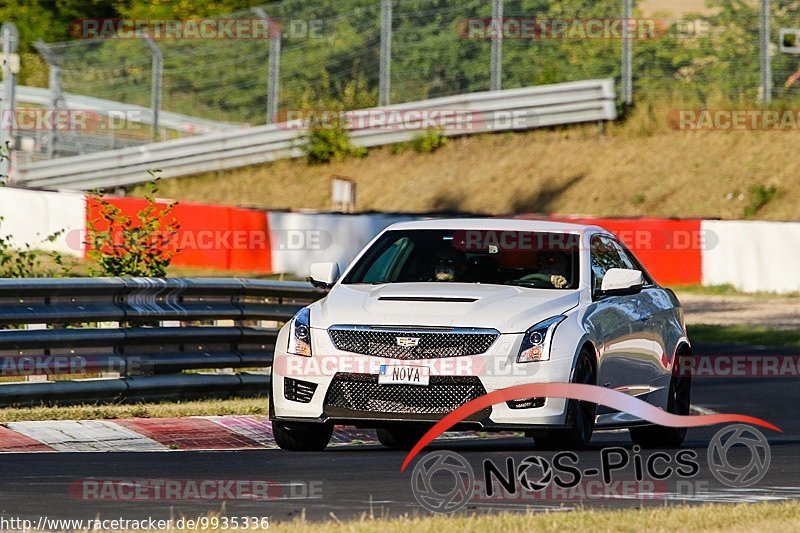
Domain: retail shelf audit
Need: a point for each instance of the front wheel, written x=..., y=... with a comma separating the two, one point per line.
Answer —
x=580, y=415
x=301, y=437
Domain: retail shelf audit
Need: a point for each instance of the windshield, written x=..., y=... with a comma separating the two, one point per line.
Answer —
x=526, y=259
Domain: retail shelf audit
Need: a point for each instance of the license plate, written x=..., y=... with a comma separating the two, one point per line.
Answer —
x=404, y=375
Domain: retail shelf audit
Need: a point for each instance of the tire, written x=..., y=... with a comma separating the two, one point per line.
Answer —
x=580, y=415
x=400, y=438
x=678, y=403
x=301, y=437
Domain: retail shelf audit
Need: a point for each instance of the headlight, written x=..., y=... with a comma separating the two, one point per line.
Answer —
x=537, y=340
x=300, y=333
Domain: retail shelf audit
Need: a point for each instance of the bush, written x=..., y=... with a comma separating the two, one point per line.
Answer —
x=759, y=196
x=328, y=143
x=127, y=246
x=428, y=141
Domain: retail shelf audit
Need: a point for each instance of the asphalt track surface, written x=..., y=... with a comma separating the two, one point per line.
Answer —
x=366, y=479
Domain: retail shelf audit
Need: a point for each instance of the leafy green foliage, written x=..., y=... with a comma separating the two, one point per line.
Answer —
x=428, y=141
x=143, y=245
x=338, y=60
x=325, y=143
x=758, y=197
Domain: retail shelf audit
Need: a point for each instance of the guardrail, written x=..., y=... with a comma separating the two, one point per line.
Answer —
x=119, y=110
x=515, y=109
x=159, y=332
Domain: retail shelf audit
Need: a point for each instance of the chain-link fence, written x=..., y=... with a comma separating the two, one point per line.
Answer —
x=361, y=53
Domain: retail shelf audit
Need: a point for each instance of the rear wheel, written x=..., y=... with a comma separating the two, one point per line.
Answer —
x=301, y=437
x=400, y=438
x=678, y=403
x=580, y=415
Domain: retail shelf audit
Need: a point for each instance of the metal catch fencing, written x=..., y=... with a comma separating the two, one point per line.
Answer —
x=357, y=54
x=89, y=340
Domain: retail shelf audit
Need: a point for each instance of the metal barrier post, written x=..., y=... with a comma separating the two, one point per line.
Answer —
x=10, y=38
x=56, y=96
x=765, y=59
x=496, y=77
x=157, y=78
x=274, y=72
x=627, y=53
x=385, y=68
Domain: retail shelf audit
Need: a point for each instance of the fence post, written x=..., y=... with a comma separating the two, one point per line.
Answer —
x=765, y=59
x=10, y=38
x=274, y=72
x=385, y=68
x=156, y=83
x=627, y=53
x=496, y=76
x=56, y=94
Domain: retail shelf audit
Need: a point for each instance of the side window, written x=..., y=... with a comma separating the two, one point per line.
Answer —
x=605, y=256
x=631, y=262
x=388, y=265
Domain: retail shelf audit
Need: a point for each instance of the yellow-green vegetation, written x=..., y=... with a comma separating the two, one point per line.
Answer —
x=726, y=289
x=637, y=167
x=742, y=518
x=233, y=406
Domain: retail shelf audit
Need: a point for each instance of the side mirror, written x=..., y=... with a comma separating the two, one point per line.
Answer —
x=323, y=275
x=619, y=281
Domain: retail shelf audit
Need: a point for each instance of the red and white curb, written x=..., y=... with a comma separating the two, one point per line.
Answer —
x=186, y=433
x=163, y=434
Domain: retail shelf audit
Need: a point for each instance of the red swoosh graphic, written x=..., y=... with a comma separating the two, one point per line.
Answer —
x=575, y=391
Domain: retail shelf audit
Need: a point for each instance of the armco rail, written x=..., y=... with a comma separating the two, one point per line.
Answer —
x=147, y=354
x=515, y=109
x=130, y=112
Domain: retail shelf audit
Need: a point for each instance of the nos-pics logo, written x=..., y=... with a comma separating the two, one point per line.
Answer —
x=444, y=481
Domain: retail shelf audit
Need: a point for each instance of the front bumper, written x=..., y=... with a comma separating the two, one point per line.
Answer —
x=495, y=370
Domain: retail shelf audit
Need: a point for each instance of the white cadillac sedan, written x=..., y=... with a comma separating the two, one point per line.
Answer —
x=433, y=314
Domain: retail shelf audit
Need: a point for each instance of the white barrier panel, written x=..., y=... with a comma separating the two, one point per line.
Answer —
x=299, y=239
x=31, y=216
x=753, y=256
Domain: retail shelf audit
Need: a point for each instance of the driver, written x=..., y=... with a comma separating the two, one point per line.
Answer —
x=555, y=265
x=449, y=265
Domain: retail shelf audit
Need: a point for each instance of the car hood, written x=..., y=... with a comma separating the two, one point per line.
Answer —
x=507, y=309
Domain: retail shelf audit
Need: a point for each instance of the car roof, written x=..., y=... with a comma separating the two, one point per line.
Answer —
x=495, y=224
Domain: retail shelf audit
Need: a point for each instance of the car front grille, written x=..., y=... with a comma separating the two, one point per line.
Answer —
x=361, y=392
x=402, y=343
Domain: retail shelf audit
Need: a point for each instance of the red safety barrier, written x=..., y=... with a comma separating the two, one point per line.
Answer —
x=219, y=237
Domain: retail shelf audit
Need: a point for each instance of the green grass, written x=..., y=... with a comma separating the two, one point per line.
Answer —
x=712, y=334
x=233, y=406
x=726, y=290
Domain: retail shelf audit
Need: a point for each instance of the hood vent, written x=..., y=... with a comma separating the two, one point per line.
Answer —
x=443, y=299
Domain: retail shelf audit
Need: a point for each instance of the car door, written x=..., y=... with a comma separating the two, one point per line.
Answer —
x=656, y=311
x=620, y=324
